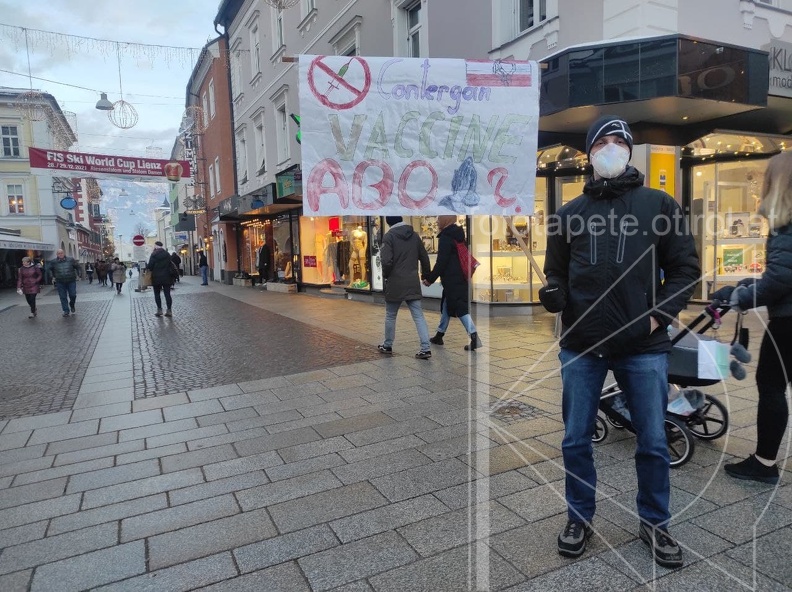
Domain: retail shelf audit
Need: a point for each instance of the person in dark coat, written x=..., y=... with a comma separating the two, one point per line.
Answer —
x=773, y=290
x=605, y=251
x=402, y=251
x=64, y=270
x=161, y=268
x=203, y=265
x=29, y=283
x=177, y=262
x=456, y=289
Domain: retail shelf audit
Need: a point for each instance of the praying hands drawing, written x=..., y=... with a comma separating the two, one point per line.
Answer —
x=463, y=186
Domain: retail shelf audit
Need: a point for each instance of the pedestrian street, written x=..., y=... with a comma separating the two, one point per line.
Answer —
x=258, y=440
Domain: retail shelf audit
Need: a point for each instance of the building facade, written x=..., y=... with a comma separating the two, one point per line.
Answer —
x=209, y=136
x=707, y=90
x=32, y=219
x=705, y=86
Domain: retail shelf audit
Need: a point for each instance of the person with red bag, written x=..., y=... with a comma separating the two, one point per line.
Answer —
x=456, y=288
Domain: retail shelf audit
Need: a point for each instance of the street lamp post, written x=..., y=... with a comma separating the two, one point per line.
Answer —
x=121, y=247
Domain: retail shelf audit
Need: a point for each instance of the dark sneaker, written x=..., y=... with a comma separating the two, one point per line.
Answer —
x=168, y=313
x=384, y=350
x=158, y=313
x=664, y=548
x=572, y=540
x=751, y=469
x=65, y=314
x=71, y=307
x=423, y=355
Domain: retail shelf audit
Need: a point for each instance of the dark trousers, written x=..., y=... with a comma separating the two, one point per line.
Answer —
x=163, y=288
x=31, y=300
x=772, y=376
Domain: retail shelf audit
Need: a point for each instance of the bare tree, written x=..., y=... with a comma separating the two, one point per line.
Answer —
x=142, y=229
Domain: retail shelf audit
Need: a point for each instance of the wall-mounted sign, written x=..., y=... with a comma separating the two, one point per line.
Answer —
x=780, y=59
x=68, y=203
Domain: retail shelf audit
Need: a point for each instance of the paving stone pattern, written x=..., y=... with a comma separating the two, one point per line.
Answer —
x=45, y=358
x=183, y=353
x=387, y=474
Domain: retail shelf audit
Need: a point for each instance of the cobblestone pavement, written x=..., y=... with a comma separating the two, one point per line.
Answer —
x=384, y=475
x=45, y=358
x=213, y=340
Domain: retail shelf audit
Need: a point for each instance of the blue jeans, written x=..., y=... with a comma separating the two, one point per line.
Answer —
x=392, y=309
x=204, y=274
x=467, y=320
x=64, y=289
x=644, y=380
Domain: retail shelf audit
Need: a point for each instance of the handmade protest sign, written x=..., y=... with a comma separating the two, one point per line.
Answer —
x=418, y=136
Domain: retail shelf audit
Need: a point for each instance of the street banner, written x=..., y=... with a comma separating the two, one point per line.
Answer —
x=418, y=136
x=101, y=166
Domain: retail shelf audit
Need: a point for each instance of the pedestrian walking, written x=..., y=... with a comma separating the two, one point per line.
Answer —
x=456, y=289
x=29, y=283
x=118, y=274
x=64, y=272
x=161, y=266
x=177, y=264
x=101, y=272
x=89, y=271
x=203, y=264
x=605, y=251
x=402, y=251
x=773, y=290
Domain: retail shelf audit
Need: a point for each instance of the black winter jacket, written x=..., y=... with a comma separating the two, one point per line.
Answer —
x=160, y=265
x=402, y=250
x=774, y=288
x=608, y=249
x=449, y=270
x=64, y=270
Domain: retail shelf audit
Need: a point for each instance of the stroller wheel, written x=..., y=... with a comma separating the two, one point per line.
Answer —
x=680, y=441
x=709, y=422
x=614, y=423
x=600, y=430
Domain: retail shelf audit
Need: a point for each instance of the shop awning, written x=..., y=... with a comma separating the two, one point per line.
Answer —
x=21, y=243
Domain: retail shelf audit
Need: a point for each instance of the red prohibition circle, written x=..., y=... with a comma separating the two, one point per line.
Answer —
x=359, y=93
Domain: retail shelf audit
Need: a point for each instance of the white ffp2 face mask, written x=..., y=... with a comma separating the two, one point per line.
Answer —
x=610, y=161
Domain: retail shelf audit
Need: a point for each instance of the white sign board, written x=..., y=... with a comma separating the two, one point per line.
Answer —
x=420, y=136
x=780, y=61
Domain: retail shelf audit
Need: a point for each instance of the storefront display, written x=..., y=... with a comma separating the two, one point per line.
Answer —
x=257, y=249
x=730, y=235
x=335, y=251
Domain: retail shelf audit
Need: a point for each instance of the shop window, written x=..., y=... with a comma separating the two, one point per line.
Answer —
x=16, y=199
x=336, y=250
x=730, y=235
x=10, y=138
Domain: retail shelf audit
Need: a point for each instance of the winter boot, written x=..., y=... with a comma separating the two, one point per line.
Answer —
x=168, y=313
x=158, y=313
x=474, y=344
x=437, y=339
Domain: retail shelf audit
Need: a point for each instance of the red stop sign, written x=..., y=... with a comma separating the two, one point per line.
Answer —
x=138, y=240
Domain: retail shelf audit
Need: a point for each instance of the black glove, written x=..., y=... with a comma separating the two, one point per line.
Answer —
x=553, y=297
x=723, y=295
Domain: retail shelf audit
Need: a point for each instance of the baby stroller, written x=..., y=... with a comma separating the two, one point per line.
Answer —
x=690, y=412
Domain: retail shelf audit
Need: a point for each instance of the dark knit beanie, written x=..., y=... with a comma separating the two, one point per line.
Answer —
x=158, y=243
x=391, y=220
x=608, y=125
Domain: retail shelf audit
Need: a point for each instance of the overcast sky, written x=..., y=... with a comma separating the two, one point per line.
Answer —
x=183, y=23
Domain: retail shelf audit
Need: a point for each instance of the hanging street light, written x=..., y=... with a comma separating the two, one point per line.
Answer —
x=103, y=104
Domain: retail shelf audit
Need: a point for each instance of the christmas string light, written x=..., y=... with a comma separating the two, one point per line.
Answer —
x=70, y=45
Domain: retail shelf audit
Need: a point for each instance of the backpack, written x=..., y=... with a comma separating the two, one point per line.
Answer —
x=467, y=261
